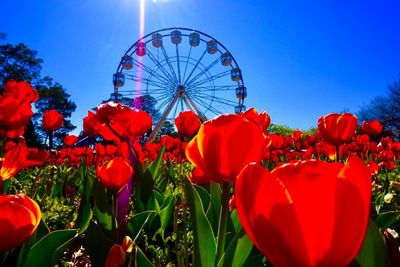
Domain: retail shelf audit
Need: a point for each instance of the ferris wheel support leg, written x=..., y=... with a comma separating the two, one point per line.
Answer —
x=192, y=105
x=163, y=118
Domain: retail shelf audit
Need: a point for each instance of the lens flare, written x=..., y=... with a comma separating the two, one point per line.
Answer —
x=138, y=86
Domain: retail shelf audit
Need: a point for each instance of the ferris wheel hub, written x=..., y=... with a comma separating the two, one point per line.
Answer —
x=180, y=90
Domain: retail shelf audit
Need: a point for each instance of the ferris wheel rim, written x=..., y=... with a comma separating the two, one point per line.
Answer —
x=134, y=45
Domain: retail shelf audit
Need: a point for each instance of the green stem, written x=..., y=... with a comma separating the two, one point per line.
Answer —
x=223, y=220
x=337, y=153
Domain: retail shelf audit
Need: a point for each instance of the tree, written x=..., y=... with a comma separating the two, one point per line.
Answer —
x=53, y=96
x=386, y=109
x=167, y=129
x=20, y=63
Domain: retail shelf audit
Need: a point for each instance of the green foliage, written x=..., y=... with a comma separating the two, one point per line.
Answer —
x=46, y=251
x=53, y=96
x=385, y=108
x=373, y=252
x=202, y=230
x=20, y=63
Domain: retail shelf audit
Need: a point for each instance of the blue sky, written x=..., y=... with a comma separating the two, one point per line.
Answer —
x=299, y=59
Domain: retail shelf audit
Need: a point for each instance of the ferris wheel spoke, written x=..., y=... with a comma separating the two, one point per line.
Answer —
x=167, y=59
x=209, y=79
x=195, y=66
x=144, y=80
x=161, y=67
x=213, y=88
x=187, y=62
x=164, y=103
x=154, y=88
x=178, y=63
x=204, y=71
x=152, y=73
x=205, y=105
x=130, y=93
x=217, y=99
x=176, y=108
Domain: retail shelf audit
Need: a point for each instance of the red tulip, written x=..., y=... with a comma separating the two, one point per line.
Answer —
x=114, y=120
x=19, y=218
x=372, y=128
x=199, y=177
x=117, y=254
x=52, y=120
x=224, y=145
x=70, y=140
x=14, y=115
x=337, y=129
x=115, y=173
x=263, y=119
x=21, y=157
x=309, y=213
x=21, y=91
x=91, y=125
x=187, y=124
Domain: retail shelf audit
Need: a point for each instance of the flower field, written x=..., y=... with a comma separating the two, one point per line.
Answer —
x=225, y=192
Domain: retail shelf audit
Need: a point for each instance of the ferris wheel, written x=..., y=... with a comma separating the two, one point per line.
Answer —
x=180, y=69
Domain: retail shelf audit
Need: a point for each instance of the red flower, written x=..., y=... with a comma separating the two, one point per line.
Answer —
x=301, y=213
x=277, y=141
x=114, y=120
x=263, y=119
x=91, y=125
x=372, y=128
x=70, y=140
x=115, y=173
x=199, y=177
x=187, y=124
x=373, y=167
x=19, y=158
x=117, y=254
x=224, y=145
x=15, y=105
x=19, y=218
x=21, y=91
x=52, y=120
x=337, y=129
x=14, y=115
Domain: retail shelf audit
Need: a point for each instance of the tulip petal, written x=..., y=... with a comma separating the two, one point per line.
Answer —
x=264, y=207
x=352, y=198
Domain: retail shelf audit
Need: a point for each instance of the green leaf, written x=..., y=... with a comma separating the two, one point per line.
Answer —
x=166, y=211
x=204, y=196
x=214, y=209
x=137, y=223
x=237, y=252
x=98, y=244
x=146, y=183
x=204, y=241
x=56, y=190
x=103, y=210
x=85, y=212
x=41, y=231
x=385, y=220
x=45, y=252
x=379, y=202
x=141, y=259
x=154, y=167
x=373, y=251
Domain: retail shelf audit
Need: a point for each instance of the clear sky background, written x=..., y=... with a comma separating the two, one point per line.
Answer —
x=299, y=59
